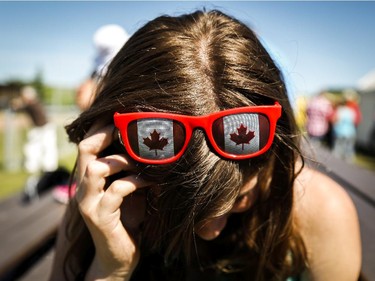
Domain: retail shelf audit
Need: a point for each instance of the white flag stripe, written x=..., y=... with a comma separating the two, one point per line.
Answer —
x=231, y=125
x=164, y=127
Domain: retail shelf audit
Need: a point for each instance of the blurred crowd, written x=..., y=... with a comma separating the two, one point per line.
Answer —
x=331, y=119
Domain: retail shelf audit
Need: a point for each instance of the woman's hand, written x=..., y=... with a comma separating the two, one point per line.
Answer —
x=112, y=221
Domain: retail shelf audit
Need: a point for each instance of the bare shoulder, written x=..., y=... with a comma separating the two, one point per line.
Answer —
x=328, y=222
x=314, y=189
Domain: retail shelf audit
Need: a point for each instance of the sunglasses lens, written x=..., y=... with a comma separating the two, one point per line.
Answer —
x=156, y=138
x=241, y=134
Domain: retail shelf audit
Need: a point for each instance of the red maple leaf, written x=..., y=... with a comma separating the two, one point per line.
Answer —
x=155, y=142
x=242, y=137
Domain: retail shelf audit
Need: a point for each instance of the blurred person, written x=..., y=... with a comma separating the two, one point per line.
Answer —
x=40, y=149
x=319, y=113
x=107, y=40
x=41, y=154
x=352, y=100
x=344, y=130
x=189, y=168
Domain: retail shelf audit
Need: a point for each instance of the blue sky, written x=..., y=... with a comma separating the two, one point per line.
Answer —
x=318, y=44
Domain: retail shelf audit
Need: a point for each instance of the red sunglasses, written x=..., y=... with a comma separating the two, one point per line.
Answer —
x=162, y=138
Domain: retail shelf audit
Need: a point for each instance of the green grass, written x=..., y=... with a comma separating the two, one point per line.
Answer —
x=11, y=183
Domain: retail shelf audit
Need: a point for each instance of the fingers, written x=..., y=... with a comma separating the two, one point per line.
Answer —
x=97, y=139
x=100, y=206
x=101, y=209
x=92, y=193
x=98, y=170
x=118, y=190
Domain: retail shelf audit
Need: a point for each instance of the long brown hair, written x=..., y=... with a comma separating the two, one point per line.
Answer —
x=196, y=64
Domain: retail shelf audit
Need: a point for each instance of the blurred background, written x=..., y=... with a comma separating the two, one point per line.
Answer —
x=324, y=48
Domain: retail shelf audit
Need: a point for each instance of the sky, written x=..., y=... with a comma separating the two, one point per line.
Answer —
x=318, y=45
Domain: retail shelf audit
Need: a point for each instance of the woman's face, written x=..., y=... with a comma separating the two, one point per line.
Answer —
x=211, y=228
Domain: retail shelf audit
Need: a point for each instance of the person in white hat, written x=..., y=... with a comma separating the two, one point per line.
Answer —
x=107, y=40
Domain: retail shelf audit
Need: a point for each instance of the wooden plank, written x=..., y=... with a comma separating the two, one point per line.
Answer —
x=366, y=214
x=9, y=202
x=15, y=214
x=33, y=226
x=41, y=270
x=361, y=180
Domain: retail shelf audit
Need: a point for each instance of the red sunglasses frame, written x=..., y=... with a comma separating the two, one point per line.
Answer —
x=190, y=123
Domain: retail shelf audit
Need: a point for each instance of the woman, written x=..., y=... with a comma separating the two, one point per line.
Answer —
x=201, y=210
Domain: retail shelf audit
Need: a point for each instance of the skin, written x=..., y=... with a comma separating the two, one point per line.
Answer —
x=85, y=92
x=324, y=213
x=329, y=226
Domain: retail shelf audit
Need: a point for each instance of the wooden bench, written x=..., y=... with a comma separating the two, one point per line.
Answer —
x=27, y=232
x=360, y=185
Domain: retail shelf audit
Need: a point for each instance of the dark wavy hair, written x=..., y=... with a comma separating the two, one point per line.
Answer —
x=196, y=64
